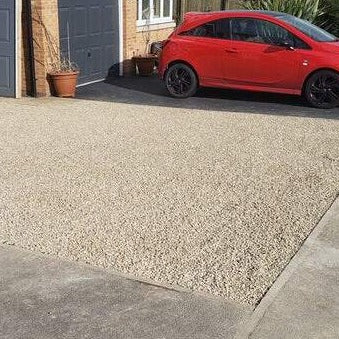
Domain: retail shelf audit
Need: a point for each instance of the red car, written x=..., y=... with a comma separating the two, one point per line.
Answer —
x=252, y=50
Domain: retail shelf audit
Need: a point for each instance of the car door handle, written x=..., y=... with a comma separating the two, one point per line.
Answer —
x=231, y=50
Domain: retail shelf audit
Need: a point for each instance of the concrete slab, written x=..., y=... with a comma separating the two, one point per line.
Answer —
x=306, y=305
x=42, y=297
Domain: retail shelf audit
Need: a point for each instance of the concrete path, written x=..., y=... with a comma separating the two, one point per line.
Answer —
x=42, y=297
x=304, y=301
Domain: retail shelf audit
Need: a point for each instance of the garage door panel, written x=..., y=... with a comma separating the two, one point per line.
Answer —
x=63, y=47
x=7, y=48
x=79, y=22
x=108, y=52
x=108, y=24
x=95, y=20
x=93, y=35
x=4, y=23
x=96, y=61
x=5, y=72
x=64, y=18
x=80, y=56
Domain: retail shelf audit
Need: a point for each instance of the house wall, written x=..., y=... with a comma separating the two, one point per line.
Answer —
x=45, y=22
x=25, y=67
x=135, y=37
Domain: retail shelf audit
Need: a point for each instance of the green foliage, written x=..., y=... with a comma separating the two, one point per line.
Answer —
x=324, y=13
x=306, y=9
x=330, y=19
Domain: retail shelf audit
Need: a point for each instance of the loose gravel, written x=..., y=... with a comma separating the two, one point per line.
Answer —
x=212, y=201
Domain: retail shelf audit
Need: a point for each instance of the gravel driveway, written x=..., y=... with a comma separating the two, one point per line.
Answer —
x=212, y=201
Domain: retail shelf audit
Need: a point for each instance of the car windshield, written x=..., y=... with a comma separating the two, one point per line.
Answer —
x=309, y=29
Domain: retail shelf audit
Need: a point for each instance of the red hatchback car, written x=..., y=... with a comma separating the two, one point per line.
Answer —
x=252, y=50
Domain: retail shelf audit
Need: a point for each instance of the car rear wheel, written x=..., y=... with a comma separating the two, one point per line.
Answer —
x=181, y=81
x=322, y=89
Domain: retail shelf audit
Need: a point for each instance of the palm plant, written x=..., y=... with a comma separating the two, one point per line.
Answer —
x=330, y=19
x=306, y=9
x=324, y=13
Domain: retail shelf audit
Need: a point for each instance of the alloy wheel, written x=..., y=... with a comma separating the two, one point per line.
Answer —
x=181, y=81
x=324, y=90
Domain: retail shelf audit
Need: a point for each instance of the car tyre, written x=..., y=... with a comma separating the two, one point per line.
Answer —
x=322, y=89
x=181, y=81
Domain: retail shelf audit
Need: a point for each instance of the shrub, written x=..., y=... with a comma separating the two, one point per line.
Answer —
x=324, y=13
x=306, y=9
x=330, y=19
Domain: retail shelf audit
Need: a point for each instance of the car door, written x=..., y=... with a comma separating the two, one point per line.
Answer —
x=204, y=48
x=257, y=56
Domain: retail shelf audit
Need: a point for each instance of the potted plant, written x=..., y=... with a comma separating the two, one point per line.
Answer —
x=62, y=73
x=145, y=62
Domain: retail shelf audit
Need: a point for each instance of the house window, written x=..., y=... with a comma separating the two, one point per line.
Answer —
x=154, y=12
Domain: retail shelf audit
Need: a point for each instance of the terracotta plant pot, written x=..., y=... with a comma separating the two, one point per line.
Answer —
x=145, y=64
x=64, y=83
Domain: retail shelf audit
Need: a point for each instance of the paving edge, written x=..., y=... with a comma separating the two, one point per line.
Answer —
x=249, y=325
x=141, y=280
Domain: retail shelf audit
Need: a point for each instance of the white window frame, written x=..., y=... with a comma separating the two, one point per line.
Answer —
x=152, y=20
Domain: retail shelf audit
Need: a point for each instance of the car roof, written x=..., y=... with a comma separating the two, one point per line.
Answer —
x=193, y=19
x=239, y=11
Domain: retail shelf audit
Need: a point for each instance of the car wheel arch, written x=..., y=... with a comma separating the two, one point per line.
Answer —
x=314, y=72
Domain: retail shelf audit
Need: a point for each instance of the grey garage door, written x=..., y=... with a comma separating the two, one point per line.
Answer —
x=7, y=48
x=89, y=30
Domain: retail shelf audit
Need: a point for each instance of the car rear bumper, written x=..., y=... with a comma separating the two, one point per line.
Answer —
x=161, y=68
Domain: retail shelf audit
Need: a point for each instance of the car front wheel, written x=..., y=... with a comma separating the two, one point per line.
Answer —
x=181, y=81
x=322, y=89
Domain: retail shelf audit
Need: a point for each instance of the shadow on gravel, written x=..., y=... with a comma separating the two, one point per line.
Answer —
x=151, y=91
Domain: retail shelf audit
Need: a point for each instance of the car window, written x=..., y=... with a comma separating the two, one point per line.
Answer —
x=219, y=29
x=314, y=32
x=263, y=31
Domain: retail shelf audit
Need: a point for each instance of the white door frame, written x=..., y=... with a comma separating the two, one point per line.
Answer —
x=121, y=37
x=18, y=48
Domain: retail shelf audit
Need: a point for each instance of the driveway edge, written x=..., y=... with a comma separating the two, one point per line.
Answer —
x=249, y=325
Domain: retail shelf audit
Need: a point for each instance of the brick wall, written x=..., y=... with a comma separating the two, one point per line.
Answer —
x=135, y=38
x=25, y=65
x=45, y=23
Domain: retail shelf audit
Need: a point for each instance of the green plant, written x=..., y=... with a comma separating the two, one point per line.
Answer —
x=306, y=9
x=330, y=19
x=324, y=13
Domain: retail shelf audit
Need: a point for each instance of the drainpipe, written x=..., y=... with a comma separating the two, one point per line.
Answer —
x=29, y=27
